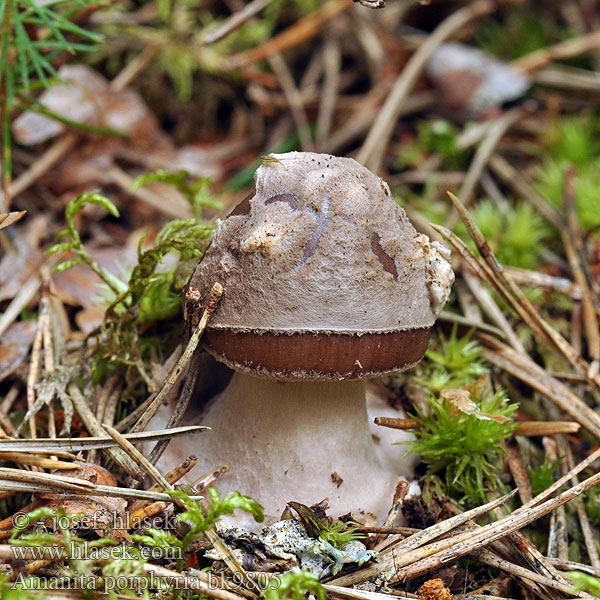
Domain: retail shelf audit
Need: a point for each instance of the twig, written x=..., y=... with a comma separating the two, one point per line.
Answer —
x=566, y=49
x=516, y=464
x=98, y=490
x=90, y=421
x=175, y=419
x=293, y=35
x=588, y=534
x=388, y=559
x=521, y=366
x=290, y=90
x=485, y=149
x=142, y=462
x=211, y=305
x=32, y=377
x=539, y=428
x=332, y=61
x=378, y=137
x=490, y=308
x=133, y=69
x=399, y=496
x=536, y=279
x=47, y=445
x=519, y=302
x=489, y=558
x=572, y=241
x=42, y=165
x=209, y=478
x=434, y=555
x=235, y=20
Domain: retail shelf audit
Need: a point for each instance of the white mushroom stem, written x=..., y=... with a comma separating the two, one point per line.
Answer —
x=290, y=441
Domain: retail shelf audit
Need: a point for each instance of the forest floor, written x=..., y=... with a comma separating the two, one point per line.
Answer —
x=129, y=128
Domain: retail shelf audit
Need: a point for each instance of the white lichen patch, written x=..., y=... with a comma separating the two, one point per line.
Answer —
x=288, y=539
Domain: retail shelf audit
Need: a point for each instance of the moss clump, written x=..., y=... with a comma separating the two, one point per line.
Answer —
x=463, y=440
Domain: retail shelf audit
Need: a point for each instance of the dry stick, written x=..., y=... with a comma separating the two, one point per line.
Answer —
x=522, y=367
x=38, y=461
x=513, y=178
x=572, y=241
x=332, y=61
x=518, y=300
x=448, y=317
x=288, y=85
x=234, y=21
x=133, y=69
x=295, y=34
x=94, y=428
x=32, y=377
x=485, y=149
x=466, y=299
x=209, y=478
x=48, y=446
x=439, y=553
x=569, y=565
x=8, y=474
x=539, y=428
x=588, y=534
x=387, y=559
x=49, y=362
x=142, y=462
x=180, y=408
x=99, y=490
x=173, y=476
x=395, y=423
x=337, y=591
x=534, y=279
x=377, y=542
x=211, y=305
x=525, y=428
x=486, y=273
x=557, y=535
x=108, y=414
x=8, y=219
x=378, y=137
x=489, y=558
x=566, y=49
x=42, y=165
x=491, y=309
x=516, y=465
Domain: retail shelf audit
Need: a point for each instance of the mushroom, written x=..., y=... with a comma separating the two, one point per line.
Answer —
x=326, y=283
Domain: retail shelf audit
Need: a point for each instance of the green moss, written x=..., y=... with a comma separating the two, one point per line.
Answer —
x=542, y=476
x=515, y=233
x=294, y=585
x=519, y=32
x=466, y=448
x=450, y=363
x=550, y=183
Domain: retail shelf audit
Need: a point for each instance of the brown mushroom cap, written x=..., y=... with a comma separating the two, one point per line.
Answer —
x=324, y=275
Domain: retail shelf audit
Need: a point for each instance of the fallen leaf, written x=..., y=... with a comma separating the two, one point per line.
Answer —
x=469, y=80
x=7, y=219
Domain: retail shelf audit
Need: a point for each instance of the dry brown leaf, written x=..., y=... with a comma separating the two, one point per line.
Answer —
x=7, y=219
x=460, y=398
x=14, y=346
x=471, y=82
x=103, y=512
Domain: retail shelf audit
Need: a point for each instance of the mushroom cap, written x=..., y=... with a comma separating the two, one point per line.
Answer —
x=324, y=275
